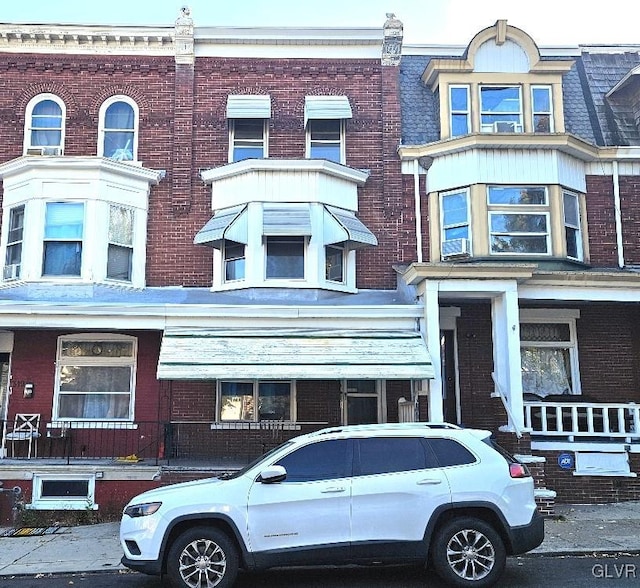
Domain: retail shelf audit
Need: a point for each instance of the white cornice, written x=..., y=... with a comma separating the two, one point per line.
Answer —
x=322, y=166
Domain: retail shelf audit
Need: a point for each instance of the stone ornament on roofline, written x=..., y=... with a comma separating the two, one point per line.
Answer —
x=392, y=43
x=184, y=44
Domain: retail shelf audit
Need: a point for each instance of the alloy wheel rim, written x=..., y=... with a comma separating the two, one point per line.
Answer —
x=202, y=564
x=470, y=554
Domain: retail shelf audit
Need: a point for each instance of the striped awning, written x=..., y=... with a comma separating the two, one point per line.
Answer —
x=284, y=354
x=286, y=219
x=248, y=106
x=226, y=223
x=326, y=107
x=344, y=226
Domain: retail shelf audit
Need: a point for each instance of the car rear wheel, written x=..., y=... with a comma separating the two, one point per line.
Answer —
x=202, y=557
x=468, y=552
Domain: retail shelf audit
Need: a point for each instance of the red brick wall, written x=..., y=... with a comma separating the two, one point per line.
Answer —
x=630, y=207
x=601, y=220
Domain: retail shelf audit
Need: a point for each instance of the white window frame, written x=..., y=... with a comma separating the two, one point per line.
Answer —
x=489, y=127
x=568, y=226
x=38, y=502
x=343, y=251
x=453, y=112
x=565, y=316
x=28, y=125
x=520, y=209
x=264, y=141
x=226, y=260
x=256, y=397
x=62, y=361
x=343, y=149
x=13, y=270
x=535, y=112
x=305, y=247
x=443, y=227
x=102, y=128
x=82, y=241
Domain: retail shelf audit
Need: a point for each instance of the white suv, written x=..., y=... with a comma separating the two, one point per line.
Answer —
x=414, y=493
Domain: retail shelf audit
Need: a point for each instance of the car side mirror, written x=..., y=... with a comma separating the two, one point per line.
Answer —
x=273, y=474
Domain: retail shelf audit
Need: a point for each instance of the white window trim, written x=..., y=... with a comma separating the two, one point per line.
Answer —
x=101, y=129
x=256, y=423
x=466, y=112
x=566, y=316
x=28, y=119
x=86, y=257
x=343, y=134
x=578, y=228
x=40, y=503
x=305, y=255
x=223, y=255
x=265, y=137
x=547, y=235
x=468, y=224
x=534, y=112
x=15, y=273
x=488, y=112
x=343, y=248
x=60, y=362
x=112, y=205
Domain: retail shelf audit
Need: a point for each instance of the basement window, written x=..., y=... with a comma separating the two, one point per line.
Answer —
x=63, y=492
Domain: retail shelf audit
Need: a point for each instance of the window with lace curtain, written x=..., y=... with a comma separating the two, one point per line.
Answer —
x=548, y=354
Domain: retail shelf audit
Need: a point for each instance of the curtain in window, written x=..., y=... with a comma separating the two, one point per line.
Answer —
x=46, y=124
x=545, y=371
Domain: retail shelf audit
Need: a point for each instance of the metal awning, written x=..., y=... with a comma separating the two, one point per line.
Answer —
x=226, y=223
x=326, y=107
x=286, y=219
x=283, y=354
x=344, y=226
x=248, y=106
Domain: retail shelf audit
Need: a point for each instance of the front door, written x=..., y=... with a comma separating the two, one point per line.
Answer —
x=449, y=380
x=361, y=402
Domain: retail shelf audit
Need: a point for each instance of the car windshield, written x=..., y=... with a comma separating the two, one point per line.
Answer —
x=254, y=463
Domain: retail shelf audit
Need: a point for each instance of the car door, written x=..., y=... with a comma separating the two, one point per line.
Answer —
x=310, y=510
x=396, y=487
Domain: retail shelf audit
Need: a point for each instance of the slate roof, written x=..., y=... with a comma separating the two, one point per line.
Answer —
x=588, y=114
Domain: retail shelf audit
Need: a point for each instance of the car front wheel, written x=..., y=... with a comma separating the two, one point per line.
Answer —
x=202, y=557
x=468, y=552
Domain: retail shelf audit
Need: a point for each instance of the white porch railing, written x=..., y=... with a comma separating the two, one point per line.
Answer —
x=584, y=419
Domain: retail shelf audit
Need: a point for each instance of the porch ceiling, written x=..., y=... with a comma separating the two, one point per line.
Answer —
x=209, y=354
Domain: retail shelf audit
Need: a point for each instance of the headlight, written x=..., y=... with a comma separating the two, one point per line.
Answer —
x=142, y=510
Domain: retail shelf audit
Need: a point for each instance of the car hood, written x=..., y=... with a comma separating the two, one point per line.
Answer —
x=167, y=492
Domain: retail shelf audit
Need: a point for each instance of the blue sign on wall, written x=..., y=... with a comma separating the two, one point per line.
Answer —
x=565, y=461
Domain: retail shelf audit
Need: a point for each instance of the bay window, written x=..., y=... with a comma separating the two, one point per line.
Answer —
x=460, y=110
x=120, y=247
x=572, y=225
x=234, y=261
x=95, y=378
x=335, y=263
x=13, y=257
x=285, y=257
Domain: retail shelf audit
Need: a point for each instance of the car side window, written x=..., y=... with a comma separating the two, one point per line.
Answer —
x=381, y=455
x=324, y=460
x=450, y=453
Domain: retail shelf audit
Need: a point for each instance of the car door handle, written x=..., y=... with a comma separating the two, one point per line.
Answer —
x=429, y=482
x=333, y=489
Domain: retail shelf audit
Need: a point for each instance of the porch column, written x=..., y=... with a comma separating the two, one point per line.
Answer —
x=506, y=352
x=432, y=334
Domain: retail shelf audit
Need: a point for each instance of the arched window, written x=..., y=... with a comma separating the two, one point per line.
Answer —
x=44, y=126
x=118, y=126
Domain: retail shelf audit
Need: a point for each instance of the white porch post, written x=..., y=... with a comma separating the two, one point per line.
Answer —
x=432, y=326
x=506, y=351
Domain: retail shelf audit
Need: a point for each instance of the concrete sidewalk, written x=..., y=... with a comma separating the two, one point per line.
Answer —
x=576, y=529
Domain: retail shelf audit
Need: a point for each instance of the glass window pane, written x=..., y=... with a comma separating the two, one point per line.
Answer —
x=94, y=406
x=361, y=387
x=46, y=138
x=118, y=145
x=334, y=268
x=62, y=258
x=545, y=371
x=518, y=223
x=64, y=220
x=325, y=460
x=536, y=195
x=285, y=257
x=573, y=243
x=119, y=262
x=459, y=124
x=459, y=99
x=454, y=208
x=121, y=225
x=95, y=348
x=248, y=128
x=65, y=489
x=274, y=400
x=384, y=455
x=542, y=123
x=16, y=224
x=236, y=401
x=234, y=261
x=48, y=108
x=362, y=410
x=450, y=453
x=541, y=99
x=506, y=244
x=93, y=378
x=324, y=130
x=119, y=115
x=571, y=210
x=241, y=152
x=461, y=232
x=500, y=99
x=325, y=151
x=547, y=332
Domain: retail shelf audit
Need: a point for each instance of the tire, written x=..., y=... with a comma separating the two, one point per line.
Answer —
x=202, y=557
x=468, y=552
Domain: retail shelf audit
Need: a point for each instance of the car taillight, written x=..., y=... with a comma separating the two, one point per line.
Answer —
x=518, y=470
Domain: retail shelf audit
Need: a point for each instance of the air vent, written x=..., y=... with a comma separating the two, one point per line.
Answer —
x=11, y=271
x=44, y=151
x=455, y=248
x=507, y=127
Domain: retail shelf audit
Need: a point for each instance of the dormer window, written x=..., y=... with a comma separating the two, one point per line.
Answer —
x=118, y=124
x=541, y=101
x=44, y=132
x=460, y=110
x=500, y=109
x=248, y=117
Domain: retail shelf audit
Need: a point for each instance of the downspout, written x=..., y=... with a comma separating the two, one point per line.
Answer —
x=618, y=213
x=416, y=196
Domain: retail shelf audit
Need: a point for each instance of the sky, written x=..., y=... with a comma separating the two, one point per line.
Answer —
x=549, y=22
